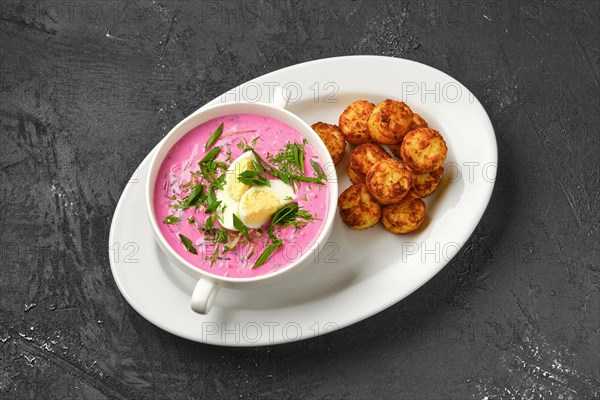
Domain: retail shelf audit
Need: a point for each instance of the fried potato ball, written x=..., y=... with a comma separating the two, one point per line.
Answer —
x=423, y=150
x=353, y=122
x=389, y=181
x=357, y=208
x=427, y=182
x=389, y=122
x=362, y=159
x=404, y=217
x=333, y=139
x=417, y=122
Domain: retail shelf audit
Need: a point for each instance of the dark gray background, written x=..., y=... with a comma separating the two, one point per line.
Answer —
x=88, y=88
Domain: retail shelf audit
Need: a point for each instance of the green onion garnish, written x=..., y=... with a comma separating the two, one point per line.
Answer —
x=213, y=138
x=267, y=253
x=239, y=225
x=187, y=243
x=210, y=155
x=171, y=219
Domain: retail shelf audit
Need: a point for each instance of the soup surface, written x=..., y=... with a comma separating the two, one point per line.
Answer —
x=241, y=196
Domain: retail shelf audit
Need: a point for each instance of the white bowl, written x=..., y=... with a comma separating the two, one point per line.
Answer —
x=208, y=284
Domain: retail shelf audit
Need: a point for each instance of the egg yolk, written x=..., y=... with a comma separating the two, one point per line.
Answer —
x=235, y=188
x=258, y=206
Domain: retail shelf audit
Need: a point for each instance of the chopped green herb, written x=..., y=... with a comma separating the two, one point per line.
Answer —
x=214, y=137
x=302, y=218
x=221, y=180
x=205, y=173
x=219, y=164
x=221, y=236
x=258, y=167
x=209, y=170
x=278, y=174
x=263, y=166
x=213, y=204
x=244, y=146
x=187, y=243
x=215, y=183
x=210, y=156
x=292, y=215
x=306, y=179
x=195, y=196
x=214, y=257
x=289, y=162
x=239, y=225
x=285, y=214
x=209, y=226
x=318, y=170
x=267, y=253
x=171, y=219
x=271, y=233
x=253, y=178
x=305, y=215
x=259, y=159
x=299, y=157
x=231, y=245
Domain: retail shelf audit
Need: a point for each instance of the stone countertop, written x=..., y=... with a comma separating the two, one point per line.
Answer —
x=88, y=88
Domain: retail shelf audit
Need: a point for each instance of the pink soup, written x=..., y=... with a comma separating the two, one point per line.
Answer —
x=177, y=176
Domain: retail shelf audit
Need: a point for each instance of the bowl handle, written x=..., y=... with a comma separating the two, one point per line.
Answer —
x=204, y=296
x=281, y=97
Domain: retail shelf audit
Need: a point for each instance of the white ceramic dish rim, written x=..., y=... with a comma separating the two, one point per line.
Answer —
x=208, y=113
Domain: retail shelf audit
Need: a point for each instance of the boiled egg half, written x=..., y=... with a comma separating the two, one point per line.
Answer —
x=254, y=205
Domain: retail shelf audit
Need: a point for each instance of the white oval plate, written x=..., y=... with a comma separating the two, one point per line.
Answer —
x=360, y=272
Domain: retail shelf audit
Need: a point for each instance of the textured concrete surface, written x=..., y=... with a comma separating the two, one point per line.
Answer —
x=87, y=90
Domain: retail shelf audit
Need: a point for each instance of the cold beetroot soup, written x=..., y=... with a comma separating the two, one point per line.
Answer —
x=241, y=196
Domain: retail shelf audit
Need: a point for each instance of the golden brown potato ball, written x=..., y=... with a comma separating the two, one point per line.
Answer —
x=333, y=139
x=423, y=150
x=417, y=122
x=357, y=208
x=353, y=122
x=389, y=122
x=404, y=217
x=389, y=181
x=427, y=182
x=362, y=159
